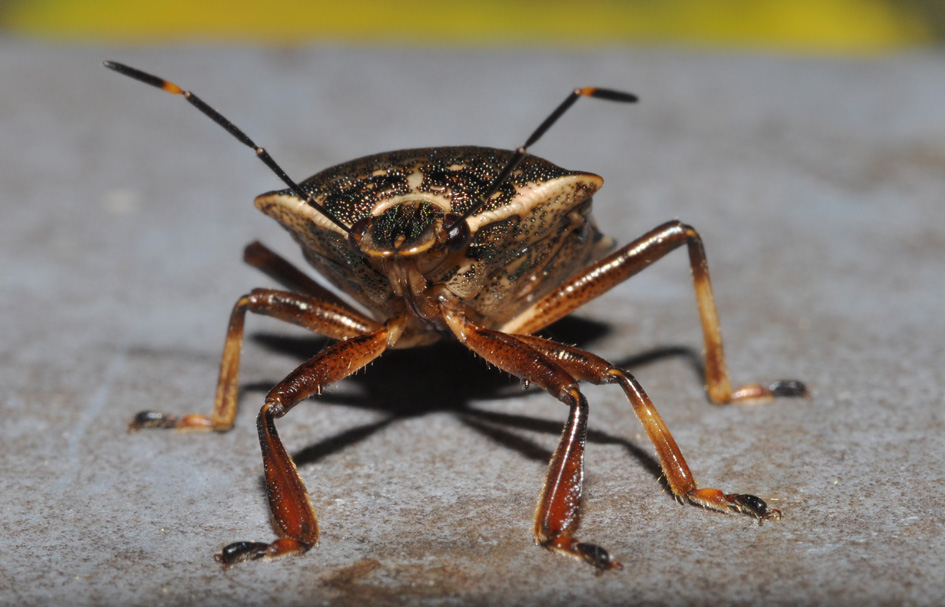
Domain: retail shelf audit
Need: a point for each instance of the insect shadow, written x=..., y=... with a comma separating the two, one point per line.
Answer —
x=456, y=379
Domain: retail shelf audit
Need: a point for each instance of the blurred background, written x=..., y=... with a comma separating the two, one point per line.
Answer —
x=802, y=26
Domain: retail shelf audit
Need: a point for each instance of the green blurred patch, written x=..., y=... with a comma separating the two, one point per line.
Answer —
x=816, y=26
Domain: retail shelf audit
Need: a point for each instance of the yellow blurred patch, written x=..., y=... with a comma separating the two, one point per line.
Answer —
x=816, y=26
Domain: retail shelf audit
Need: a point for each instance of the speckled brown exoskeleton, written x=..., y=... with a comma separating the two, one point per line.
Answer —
x=481, y=245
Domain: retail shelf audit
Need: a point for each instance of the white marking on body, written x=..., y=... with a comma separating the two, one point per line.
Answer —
x=533, y=194
x=433, y=199
x=289, y=205
x=414, y=179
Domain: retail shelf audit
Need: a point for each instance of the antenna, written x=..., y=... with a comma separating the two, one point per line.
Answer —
x=231, y=128
x=522, y=152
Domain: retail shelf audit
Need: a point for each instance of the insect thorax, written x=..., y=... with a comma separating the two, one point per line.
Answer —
x=533, y=233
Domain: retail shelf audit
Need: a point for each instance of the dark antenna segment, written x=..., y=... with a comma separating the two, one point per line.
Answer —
x=522, y=152
x=231, y=128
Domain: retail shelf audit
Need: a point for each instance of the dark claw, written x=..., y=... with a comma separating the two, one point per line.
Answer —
x=152, y=419
x=755, y=506
x=752, y=505
x=789, y=388
x=237, y=552
x=597, y=556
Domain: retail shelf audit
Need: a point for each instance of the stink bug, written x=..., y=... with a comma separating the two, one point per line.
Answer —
x=481, y=245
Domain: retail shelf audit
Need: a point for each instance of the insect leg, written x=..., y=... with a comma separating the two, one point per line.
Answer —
x=318, y=316
x=556, y=516
x=631, y=259
x=262, y=258
x=292, y=514
x=589, y=367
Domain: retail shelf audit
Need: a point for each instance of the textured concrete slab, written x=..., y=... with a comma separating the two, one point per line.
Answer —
x=818, y=186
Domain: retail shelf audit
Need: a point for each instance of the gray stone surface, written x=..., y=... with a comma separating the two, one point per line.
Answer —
x=818, y=186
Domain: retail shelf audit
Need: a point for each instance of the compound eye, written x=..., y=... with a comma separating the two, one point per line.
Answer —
x=457, y=232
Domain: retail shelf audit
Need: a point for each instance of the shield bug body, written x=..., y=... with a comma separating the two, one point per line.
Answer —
x=481, y=245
